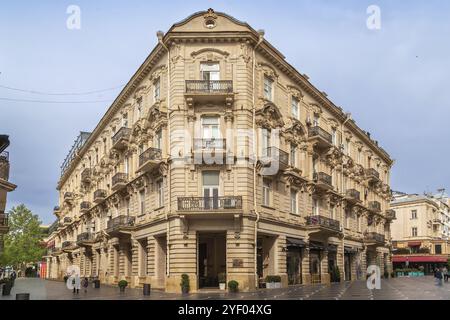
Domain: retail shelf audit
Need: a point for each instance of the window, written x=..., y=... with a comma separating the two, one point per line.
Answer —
x=210, y=71
x=266, y=137
x=294, y=206
x=316, y=120
x=413, y=214
x=294, y=108
x=104, y=146
x=139, y=109
x=334, y=137
x=157, y=90
x=267, y=184
x=160, y=187
x=125, y=120
x=268, y=88
x=437, y=249
x=210, y=128
x=414, y=232
x=158, y=140
x=210, y=181
x=315, y=207
x=142, y=201
x=293, y=155
x=127, y=165
x=347, y=219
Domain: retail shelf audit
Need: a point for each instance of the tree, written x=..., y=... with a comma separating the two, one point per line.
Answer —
x=23, y=242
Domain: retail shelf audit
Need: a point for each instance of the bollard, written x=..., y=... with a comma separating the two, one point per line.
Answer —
x=147, y=288
x=22, y=296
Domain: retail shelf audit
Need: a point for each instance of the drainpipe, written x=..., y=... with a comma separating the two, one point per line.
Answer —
x=348, y=117
x=160, y=36
x=255, y=153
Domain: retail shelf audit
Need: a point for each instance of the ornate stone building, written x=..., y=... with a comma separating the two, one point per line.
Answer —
x=5, y=187
x=219, y=158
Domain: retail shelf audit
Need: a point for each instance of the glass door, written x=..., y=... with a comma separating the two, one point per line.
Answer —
x=210, y=133
x=210, y=73
x=211, y=189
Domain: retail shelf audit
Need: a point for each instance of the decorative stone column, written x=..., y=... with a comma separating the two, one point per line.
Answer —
x=324, y=275
x=306, y=274
x=340, y=260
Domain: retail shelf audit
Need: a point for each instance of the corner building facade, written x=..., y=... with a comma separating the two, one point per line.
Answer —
x=218, y=159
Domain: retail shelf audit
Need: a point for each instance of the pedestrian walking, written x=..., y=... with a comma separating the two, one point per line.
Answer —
x=445, y=273
x=438, y=276
x=76, y=284
x=85, y=284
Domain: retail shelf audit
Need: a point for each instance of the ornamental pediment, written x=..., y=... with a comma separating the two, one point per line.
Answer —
x=269, y=116
x=294, y=131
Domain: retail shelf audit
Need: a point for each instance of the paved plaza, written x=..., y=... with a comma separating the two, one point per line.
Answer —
x=393, y=289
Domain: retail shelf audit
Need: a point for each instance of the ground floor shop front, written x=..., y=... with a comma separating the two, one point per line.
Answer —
x=212, y=251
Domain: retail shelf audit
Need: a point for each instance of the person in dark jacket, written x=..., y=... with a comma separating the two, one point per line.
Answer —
x=85, y=284
x=438, y=276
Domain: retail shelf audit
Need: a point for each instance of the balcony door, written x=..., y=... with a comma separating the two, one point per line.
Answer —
x=211, y=189
x=210, y=73
x=210, y=133
x=266, y=142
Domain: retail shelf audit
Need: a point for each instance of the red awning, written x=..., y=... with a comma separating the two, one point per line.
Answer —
x=419, y=259
x=414, y=244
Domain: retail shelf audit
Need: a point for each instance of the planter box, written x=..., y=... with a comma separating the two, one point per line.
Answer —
x=273, y=285
x=222, y=286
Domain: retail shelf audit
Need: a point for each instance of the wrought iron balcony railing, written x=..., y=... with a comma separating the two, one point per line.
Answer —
x=100, y=195
x=353, y=194
x=151, y=154
x=86, y=175
x=390, y=215
x=67, y=244
x=275, y=154
x=372, y=174
x=375, y=206
x=321, y=133
x=119, y=179
x=68, y=196
x=209, y=86
x=323, y=178
x=323, y=222
x=373, y=236
x=3, y=219
x=209, y=144
x=53, y=227
x=67, y=220
x=85, y=206
x=209, y=203
x=120, y=222
x=85, y=237
x=124, y=133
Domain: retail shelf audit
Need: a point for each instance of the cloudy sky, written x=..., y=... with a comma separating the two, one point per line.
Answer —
x=394, y=80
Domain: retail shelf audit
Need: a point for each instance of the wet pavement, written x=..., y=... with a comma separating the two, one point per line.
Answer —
x=423, y=288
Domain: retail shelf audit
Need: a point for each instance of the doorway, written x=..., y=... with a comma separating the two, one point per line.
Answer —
x=294, y=266
x=211, y=259
x=348, y=266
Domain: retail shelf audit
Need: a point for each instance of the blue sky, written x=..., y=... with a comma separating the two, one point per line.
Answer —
x=392, y=80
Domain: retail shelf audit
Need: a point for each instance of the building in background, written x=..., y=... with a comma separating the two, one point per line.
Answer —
x=220, y=160
x=420, y=233
x=5, y=187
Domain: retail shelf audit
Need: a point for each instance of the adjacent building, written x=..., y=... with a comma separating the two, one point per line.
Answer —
x=5, y=187
x=217, y=159
x=420, y=233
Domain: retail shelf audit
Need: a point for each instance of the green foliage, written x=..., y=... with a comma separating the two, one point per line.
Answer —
x=272, y=279
x=402, y=251
x=336, y=274
x=233, y=285
x=185, y=281
x=23, y=242
x=123, y=283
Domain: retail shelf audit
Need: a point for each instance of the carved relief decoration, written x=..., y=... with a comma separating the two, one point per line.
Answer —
x=269, y=116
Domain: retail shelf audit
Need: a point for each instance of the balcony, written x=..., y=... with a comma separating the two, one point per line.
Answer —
x=67, y=220
x=324, y=223
x=210, y=151
x=149, y=159
x=375, y=206
x=274, y=160
x=57, y=210
x=209, y=87
x=320, y=138
x=68, y=246
x=121, y=224
x=55, y=251
x=390, y=215
x=372, y=175
x=121, y=138
x=353, y=196
x=119, y=181
x=373, y=238
x=85, y=206
x=323, y=181
x=4, y=165
x=85, y=239
x=53, y=227
x=86, y=175
x=199, y=204
x=100, y=195
x=68, y=197
x=4, y=228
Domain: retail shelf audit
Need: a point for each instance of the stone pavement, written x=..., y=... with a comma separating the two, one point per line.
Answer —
x=393, y=289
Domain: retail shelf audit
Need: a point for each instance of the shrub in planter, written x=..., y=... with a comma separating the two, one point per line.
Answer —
x=184, y=283
x=222, y=281
x=7, y=286
x=273, y=282
x=122, y=285
x=233, y=286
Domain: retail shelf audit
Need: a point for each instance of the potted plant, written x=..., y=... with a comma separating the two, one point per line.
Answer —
x=122, y=285
x=7, y=286
x=233, y=286
x=222, y=281
x=273, y=282
x=184, y=284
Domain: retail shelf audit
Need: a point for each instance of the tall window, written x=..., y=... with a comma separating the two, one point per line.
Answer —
x=413, y=214
x=316, y=120
x=127, y=203
x=347, y=219
x=267, y=189
x=266, y=141
x=210, y=128
x=127, y=165
x=334, y=136
x=268, y=88
x=210, y=188
x=142, y=201
x=157, y=89
x=104, y=146
x=210, y=71
x=125, y=120
x=158, y=139
x=160, y=187
x=139, y=109
x=293, y=155
x=315, y=207
x=295, y=108
x=414, y=231
x=294, y=204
